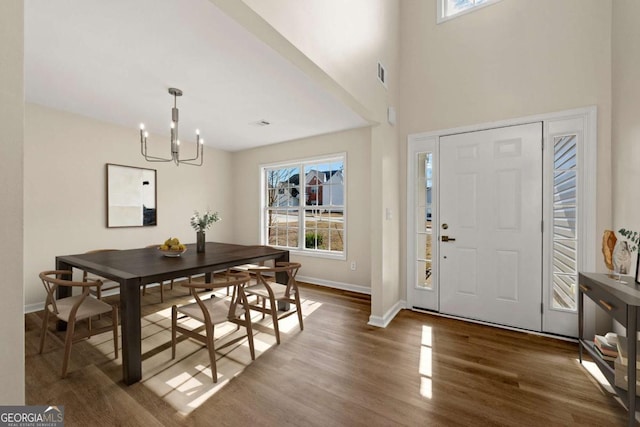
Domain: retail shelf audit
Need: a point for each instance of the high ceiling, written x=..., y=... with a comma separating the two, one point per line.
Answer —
x=115, y=60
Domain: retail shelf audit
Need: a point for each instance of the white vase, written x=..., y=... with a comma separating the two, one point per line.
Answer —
x=621, y=257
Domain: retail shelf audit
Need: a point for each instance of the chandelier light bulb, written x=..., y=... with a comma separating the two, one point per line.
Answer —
x=201, y=141
x=173, y=125
x=197, y=131
x=141, y=126
x=178, y=142
x=146, y=134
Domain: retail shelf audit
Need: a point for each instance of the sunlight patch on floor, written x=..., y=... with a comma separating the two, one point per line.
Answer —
x=186, y=381
x=425, y=368
x=597, y=375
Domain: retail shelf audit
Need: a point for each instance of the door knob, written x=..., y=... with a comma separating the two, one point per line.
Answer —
x=447, y=239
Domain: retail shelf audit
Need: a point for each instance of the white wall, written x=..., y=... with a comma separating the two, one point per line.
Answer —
x=346, y=40
x=511, y=59
x=11, y=185
x=65, y=191
x=246, y=179
x=626, y=109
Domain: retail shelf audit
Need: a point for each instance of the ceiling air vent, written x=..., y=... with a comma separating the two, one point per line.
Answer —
x=261, y=123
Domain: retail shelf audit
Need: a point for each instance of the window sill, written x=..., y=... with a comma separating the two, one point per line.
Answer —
x=298, y=252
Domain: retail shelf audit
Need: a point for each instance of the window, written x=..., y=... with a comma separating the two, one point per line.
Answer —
x=424, y=231
x=448, y=9
x=565, y=236
x=304, y=206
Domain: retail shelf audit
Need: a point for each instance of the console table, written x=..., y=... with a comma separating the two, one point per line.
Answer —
x=621, y=302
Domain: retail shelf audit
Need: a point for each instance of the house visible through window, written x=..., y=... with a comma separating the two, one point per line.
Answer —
x=304, y=205
x=448, y=9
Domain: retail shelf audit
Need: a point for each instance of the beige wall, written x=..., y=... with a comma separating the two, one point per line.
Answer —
x=246, y=179
x=11, y=185
x=64, y=192
x=626, y=110
x=511, y=59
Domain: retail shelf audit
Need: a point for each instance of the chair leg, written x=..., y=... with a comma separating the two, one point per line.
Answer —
x=114, y=317
x=67, y=346
x=247, y=325
x=274, y=315
x=212, y=352
x=174, y=324
x=43, y=335
x=144, y=290
x=299, y=308
x=161, y=291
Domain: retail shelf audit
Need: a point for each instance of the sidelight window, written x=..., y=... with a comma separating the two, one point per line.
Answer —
x=565, y=236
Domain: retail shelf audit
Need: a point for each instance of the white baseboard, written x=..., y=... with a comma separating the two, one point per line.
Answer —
x=30, y=308
x=336, y=285
x=383, y=322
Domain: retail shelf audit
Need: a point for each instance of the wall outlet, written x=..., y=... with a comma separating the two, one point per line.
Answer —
x=353, y=266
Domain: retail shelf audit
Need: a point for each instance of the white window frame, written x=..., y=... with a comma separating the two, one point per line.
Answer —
x=301, y=163
x=442, y=10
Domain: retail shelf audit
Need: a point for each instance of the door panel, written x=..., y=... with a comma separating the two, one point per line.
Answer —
x=491, y=200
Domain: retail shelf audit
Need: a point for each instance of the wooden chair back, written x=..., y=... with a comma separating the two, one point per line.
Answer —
x=52, y=280
x=290, y=268
x=236, y=281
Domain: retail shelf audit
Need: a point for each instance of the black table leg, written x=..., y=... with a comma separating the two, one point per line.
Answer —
x=130, y=318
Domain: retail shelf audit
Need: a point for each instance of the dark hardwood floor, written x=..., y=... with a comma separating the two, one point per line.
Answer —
x=422, y=370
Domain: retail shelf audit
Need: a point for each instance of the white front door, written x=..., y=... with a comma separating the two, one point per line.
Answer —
x=490, y=237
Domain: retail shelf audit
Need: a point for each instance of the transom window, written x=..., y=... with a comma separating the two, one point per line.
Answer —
x=304, y=206
x=448, y=9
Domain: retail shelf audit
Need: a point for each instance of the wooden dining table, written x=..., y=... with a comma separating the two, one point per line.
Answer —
x=133, y=268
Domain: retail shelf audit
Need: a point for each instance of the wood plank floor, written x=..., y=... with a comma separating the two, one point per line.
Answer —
x=422, y=370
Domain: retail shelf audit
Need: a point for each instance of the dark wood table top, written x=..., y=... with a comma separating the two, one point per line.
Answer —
x=150, y=265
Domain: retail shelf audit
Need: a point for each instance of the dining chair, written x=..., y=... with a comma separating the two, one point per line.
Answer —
x=103, y=285
x=214, y=311
x=73, y=309
x=266, y=288
x=246, y=268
